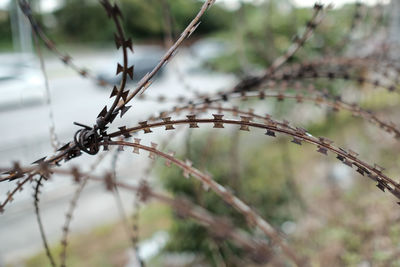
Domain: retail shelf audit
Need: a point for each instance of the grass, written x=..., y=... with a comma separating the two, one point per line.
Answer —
x=106, y=245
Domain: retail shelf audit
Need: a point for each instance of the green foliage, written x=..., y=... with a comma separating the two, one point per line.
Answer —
x=103, y=244
x=254, y=179
x=5, y=30
x=80, y=21
x=86, y=21
x=267, y=31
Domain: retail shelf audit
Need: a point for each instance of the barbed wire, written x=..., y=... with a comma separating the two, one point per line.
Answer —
x=92, y=139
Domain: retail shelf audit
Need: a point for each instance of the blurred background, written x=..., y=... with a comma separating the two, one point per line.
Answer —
x=326, y=210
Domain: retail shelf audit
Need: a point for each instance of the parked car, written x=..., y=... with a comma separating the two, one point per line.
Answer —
x=205, y=50
x=144, y=59
x=21, y=81
x=209, y=48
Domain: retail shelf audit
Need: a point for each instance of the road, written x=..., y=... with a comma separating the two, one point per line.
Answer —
x=25, y=138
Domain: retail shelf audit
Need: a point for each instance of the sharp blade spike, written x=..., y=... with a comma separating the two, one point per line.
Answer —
x=136, y=150
x=381, y=186
x=128, y=44
x=116, y=11
x=114, y=91
x=66, y=59
x=118, y=42
x=378, y=168
x=217, y=123
x=244, y=128
x=119, y=69
x=245, y=120
x=83, y=73
x=103, y=112
x=64, y=147
x=124, y=95
x=168, y=125
x=270, y=133
x=147, y=85
x=348, y=163
x=145, y=128
x=322, y=150
x=39, y=160
x=167, y=161
x=130, y=71
x=124, y=109
x=113, y=116
x=296, y=141
x=193, y=29
x=191, y=119
x=107, y=6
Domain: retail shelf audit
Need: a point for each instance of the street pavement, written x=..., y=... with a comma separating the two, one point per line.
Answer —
x=25, y=138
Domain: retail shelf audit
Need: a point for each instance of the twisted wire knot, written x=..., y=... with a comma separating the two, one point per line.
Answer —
x=87, y=139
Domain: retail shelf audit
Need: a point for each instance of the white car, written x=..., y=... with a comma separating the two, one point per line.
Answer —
x=145, y=58
x=21, y=81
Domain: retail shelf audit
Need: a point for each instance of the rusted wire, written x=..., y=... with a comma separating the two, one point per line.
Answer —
x=91, y=139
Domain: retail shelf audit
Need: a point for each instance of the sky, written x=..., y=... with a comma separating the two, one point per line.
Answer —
x=305, y=3
x=49, y=5
x=46, y=5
